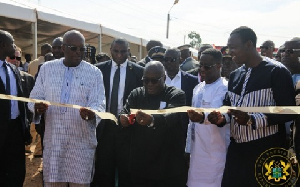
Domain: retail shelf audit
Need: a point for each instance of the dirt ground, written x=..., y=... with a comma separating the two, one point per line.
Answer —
x=34, y=166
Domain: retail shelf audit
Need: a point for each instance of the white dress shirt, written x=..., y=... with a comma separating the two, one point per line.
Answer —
x=13, y=89
x=176, y=81
x=121, y=89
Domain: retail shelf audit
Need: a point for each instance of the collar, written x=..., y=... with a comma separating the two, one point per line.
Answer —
x=177, y=75
x=124, y=64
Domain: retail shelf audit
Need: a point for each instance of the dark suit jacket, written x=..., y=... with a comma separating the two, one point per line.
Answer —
x=4, y=111
x=27, y=82
x=105, y=165
x=188, y=83
x=134, y=74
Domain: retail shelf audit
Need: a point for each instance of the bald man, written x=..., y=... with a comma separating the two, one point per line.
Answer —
x=150, y=152
x=70, y=134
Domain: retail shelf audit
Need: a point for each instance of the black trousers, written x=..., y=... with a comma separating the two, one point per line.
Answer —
x=241, y=158
x=175, y=181
x=12, y=156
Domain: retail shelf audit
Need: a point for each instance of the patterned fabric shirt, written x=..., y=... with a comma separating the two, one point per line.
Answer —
x=269, y=84
x=69, y=141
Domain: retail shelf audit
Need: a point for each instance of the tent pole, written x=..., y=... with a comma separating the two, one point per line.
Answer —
x=141, y=49
x=34, y=39
x=100, y=40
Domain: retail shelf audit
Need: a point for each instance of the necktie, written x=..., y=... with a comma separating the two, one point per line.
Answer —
x=114, y=93
x=7, y=87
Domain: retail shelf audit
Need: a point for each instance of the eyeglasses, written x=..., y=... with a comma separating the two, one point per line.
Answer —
x=264, y=47
x=206, y=67
x=152, y=80
x=15, y=57
x=56, y=47
x=74, y=48
x=121, y=51
x=170, y=59
x=290, y=51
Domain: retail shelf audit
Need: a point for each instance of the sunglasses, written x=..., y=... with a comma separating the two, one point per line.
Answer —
x=152, y=80
x=206, y=67
x=290, y=51
x=170, y=59
x=74, y=48
x=264, y=47
x=14, y=57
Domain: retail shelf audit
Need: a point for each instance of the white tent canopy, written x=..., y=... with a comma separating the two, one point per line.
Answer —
x=32, y=25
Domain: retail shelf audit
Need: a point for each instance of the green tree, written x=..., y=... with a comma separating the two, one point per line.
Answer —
x=196, y=39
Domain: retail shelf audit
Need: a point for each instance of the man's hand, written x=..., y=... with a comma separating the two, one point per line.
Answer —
x=143, y=118
x=86, y=114
x=239, y=116
x=215, y=117
x=195, y=116
x=40, y=108
x=124, y=120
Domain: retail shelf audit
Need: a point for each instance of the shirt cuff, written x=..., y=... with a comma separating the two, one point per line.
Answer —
x=36, y=118
x=259, y=120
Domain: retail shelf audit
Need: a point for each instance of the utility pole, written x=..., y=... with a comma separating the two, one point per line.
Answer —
x=168, y=18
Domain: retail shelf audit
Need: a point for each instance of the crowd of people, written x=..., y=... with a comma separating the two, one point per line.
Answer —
x=192, y=148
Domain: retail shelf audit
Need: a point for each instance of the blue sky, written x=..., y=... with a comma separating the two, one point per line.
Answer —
x=277, y=20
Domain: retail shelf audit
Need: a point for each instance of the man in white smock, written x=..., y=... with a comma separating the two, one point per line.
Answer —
x=70, y=134
x=207, y=144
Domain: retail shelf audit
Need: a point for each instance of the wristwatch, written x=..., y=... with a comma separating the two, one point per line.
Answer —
x=152, y=123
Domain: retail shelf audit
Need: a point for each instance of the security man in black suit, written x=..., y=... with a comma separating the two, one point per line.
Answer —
x=14, y=129
x=178, y=78
x=120, y=77
x=181, y=80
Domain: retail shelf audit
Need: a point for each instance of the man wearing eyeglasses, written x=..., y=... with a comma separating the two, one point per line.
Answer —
x=176, y=77
x=150, y=150
x=27, y=82
x=267, y=48
x=120, y=77
x=290, y=58
x=70, y=134
x=33, y=66
x=207, y=144
x=16, y=59
x=57, y=48
x=196, y=71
